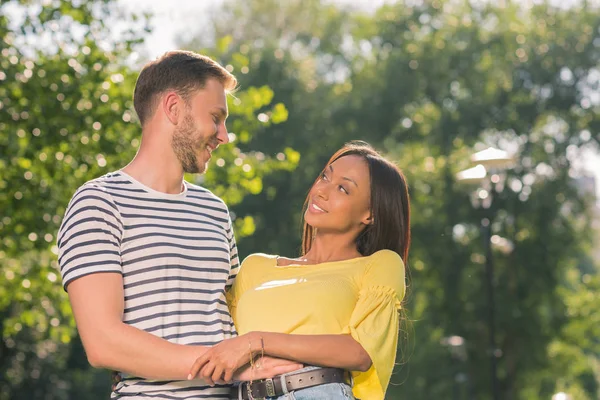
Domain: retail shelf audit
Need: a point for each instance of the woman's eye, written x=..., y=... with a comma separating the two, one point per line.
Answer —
x=343, y=189
x=323, y=176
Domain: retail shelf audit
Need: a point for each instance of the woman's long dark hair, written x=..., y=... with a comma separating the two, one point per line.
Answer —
x=390, y=208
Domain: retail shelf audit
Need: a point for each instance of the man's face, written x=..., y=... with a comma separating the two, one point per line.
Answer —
x=202, y=128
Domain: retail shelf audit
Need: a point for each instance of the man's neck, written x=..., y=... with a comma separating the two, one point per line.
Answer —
x=158, y=169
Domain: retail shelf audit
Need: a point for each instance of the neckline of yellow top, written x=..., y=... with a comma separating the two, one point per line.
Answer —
x=348, y=260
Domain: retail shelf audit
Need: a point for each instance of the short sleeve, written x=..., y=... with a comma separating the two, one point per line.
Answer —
x=89, y=238
x=234, y=260
x=375, y=321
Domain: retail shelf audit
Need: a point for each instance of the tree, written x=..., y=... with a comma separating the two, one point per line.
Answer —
x=465, y=91
x=66, y=118
x=429, y=82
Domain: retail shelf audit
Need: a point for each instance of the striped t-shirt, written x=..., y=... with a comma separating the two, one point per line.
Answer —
x=176, y=253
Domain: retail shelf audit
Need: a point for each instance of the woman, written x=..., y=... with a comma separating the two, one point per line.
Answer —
x=337, y=305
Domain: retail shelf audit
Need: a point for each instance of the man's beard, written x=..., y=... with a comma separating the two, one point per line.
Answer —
x=186, y=149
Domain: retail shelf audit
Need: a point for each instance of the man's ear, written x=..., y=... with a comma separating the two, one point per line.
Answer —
x=171, y=104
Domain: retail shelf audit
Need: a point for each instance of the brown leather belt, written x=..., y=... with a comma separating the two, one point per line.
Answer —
x=267, y=388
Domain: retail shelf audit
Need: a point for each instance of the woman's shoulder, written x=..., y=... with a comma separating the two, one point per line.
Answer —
x=386, y=259
x=386, y=268
x=258, y=259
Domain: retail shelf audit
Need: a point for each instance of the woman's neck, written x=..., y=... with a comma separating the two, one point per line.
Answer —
x=328, y=248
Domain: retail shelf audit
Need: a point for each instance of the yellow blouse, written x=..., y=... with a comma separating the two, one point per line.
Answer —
x=360, y=297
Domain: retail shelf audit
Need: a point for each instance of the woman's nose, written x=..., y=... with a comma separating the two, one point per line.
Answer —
x=322, y=190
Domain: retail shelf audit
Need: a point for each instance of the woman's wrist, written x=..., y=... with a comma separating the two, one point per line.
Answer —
x=255, y=343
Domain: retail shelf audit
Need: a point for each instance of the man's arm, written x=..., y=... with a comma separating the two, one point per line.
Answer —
x=97, y=302
x=90, y=263
x=89, y=242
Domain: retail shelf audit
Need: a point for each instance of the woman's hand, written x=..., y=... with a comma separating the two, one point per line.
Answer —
x=220, y=362
x=269, y=367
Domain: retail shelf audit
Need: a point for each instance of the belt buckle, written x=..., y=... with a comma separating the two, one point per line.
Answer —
x=270, y=390
x=270, y=386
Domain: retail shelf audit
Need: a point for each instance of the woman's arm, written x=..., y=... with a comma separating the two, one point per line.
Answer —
x=221, y=361
x=340, y=351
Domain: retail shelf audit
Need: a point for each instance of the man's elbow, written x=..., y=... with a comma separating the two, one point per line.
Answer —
x=99, y=355
x=95, y=359
x=99, y=345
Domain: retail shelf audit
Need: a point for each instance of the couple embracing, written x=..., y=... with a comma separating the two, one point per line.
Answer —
x=151, y=266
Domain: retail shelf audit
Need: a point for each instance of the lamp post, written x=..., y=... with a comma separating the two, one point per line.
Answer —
x=490, y=163
x=458, y=353
x=562, y=396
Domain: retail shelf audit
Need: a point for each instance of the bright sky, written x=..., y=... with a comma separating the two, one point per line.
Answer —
x=169, y=22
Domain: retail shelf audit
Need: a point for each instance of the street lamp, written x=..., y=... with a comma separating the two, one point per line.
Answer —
x=458, y=353
x=561, y=396
x=490, y=163
x=493, y=158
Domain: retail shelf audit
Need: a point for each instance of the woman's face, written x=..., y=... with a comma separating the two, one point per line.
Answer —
x=340, y=200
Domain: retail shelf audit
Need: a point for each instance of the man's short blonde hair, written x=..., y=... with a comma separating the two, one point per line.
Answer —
x=182, y=71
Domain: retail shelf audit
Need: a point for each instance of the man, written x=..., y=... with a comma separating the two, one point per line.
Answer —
x=146, y=256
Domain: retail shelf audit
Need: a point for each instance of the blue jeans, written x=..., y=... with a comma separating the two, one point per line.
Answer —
x=327, y=391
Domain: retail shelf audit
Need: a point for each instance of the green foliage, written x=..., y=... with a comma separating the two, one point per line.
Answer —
x=427, y=82
x=66, y=118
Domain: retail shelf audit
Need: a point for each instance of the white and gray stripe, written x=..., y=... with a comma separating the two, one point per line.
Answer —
x=176, y=254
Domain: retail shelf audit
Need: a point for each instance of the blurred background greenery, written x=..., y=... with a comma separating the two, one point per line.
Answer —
x=427, y=82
